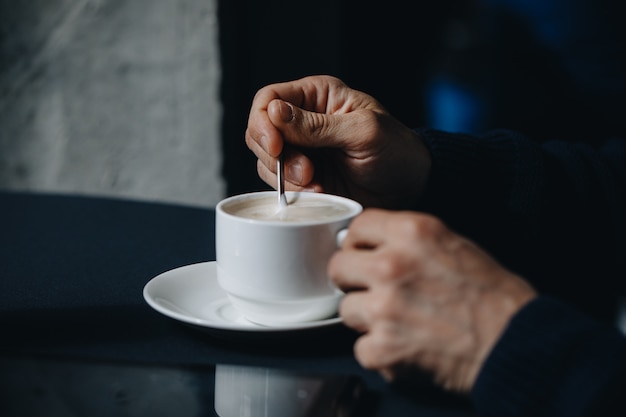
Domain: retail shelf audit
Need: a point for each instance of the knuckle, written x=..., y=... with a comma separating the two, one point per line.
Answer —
x=362, y=219
x=385, y=307
x=420, y=226
x=315, y=123
x=388, y=267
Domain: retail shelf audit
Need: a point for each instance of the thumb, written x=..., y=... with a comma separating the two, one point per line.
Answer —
x=302, y=127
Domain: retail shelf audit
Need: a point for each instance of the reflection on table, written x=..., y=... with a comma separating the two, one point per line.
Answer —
x=258, y=392
x=46, y=387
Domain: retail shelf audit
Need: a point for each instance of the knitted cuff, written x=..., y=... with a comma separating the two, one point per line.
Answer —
x=551, y=360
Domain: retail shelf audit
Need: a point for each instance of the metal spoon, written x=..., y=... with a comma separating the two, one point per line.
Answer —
x=282, y=200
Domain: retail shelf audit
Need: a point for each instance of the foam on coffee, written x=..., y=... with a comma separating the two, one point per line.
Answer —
x=300, y=209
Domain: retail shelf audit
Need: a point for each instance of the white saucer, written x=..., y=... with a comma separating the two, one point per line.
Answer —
x=191, y=294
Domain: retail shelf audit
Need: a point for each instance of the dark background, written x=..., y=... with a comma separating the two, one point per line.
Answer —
x=549, y=69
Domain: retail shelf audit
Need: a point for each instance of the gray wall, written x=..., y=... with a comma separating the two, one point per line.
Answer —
x=111, y=97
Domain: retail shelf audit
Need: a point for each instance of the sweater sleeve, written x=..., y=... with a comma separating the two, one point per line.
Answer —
x=553, y=361
x=552, y=212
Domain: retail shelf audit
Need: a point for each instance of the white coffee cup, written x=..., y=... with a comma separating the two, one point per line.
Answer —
x=273, y=264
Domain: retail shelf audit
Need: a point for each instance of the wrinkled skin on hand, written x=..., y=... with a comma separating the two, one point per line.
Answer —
x=336, y=140
x=423, y=297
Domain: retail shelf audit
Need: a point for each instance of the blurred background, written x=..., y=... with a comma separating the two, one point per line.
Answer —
x=148, y=99
x=115, y=98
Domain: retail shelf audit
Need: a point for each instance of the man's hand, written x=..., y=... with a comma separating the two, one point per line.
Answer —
x=336, y=140
x=423, y=297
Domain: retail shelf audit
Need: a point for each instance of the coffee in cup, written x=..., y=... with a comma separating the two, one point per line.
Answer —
x=299, y=209
x=272, y=262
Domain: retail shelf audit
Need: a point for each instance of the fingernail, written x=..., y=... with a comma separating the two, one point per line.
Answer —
x=286, y=111
x=294, y=173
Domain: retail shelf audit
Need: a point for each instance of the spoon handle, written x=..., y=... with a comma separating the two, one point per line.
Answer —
x=280, y=187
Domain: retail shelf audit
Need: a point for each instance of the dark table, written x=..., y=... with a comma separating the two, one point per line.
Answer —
x=77, y=337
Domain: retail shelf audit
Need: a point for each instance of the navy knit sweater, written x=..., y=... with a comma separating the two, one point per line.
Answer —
x=555, y=213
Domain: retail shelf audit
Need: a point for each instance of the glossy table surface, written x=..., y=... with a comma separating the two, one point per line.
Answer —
x=78, y=338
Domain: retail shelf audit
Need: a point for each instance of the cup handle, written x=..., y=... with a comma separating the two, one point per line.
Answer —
x=341, y=235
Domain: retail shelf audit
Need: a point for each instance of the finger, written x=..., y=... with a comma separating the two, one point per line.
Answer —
x=359, y=262
x=384, y=348
x=319, y=94
x=298, y=167
x=372, y=351
x=315, y=130
x=266, y=175
x=262, y=135
x=368, y=230
x=302, y=92
x=359, y=269
x=350, y=269
x=256, y=147
x=269, y=177
x=353, y=310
